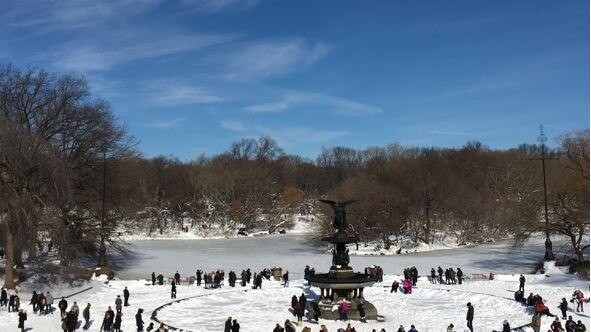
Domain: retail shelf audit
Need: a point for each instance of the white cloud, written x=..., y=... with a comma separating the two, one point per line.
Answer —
x=269, y=107
x=294, y=136
x=71, y=14
x=165, y=124
x=172, y=93
x=233, y=125
x=336, y=105
x=214, y=6
x=100, y=57
x=449, y=132
x=270, y=59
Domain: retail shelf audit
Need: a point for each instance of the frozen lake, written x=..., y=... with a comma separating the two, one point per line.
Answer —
x=294, y=252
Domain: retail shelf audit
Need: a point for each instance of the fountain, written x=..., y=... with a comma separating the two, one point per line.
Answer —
x=341, y=282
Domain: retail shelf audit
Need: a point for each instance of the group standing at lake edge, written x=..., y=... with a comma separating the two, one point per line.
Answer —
x=112, y=320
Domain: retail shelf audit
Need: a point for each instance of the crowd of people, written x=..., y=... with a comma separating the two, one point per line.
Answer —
x=42, y=303
x=448, y=277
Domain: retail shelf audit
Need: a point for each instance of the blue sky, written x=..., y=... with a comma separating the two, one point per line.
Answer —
x=190, y=76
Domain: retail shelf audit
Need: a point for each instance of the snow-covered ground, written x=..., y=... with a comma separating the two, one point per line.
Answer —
x=431, y=307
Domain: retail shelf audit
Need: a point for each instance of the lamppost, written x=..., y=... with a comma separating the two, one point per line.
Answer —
x=102, y=257
x=548, y=255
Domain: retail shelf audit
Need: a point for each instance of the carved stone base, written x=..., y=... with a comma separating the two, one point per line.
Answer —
x=330, y=310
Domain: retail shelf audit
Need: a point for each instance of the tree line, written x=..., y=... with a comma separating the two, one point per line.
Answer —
x=70, y=174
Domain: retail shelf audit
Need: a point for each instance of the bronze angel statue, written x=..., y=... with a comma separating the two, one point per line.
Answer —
x=340, y=214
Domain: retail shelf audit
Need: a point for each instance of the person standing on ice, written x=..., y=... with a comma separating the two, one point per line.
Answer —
x=470, y=316
x=153, y=278
x=522, y=283
x=139, y=322
x=173, y=290
x=126, y=297
x=412, y=329
x=433, y=276
x=177, y=277
x=580, y=327
x=49, y=303
x=286, y=279
x=440, y=272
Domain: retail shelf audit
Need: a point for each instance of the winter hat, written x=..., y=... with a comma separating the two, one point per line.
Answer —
x=469, y=304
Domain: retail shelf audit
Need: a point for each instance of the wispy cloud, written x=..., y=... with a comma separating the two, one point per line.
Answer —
x=268, y=59
x=165, y=124
x=336, y=105
x=101, y=57
x=233, y=125
x=214, y=6
x=286, y=135
x=294, y=136
x=71, y=14
x=269, y=107
x=449, y=132
x=173, y=93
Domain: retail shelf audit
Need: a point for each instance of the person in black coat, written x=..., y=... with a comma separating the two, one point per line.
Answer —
x=139, y=322
x=153, y=278
x=506, y=326
x=22, y=317
x=361, y=309
x=3, y=298
x=235, y=326
x=470, y=316
x=34, y=301
x=228, y=325
x=199, y=277
x=173, y=290
x=522, y=283
x=63, y=305
x=563, y=308
x=117, y=323
x=71, y=321
x=126, y=297
x=460, y=275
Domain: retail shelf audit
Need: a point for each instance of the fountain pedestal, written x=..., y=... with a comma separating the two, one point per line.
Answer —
x=341, y=282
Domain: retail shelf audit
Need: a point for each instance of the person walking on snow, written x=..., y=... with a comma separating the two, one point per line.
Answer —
x=570, y=324
x=139, y=322
x=126, y=297
x=470, y=316
x=173, y=290
x=228, y=325
x=579, y=298
x=86, y=316
x=22, y=317
x=563, y=307
x=522, y=283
